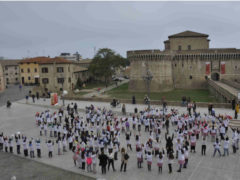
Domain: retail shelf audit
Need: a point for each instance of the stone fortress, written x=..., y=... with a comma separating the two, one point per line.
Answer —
x=187, y=62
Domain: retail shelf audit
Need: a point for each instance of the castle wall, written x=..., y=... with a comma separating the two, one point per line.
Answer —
x=160, y=68
x=232, y=69
x=182, y=69
x=189, y=74
x=195, y=43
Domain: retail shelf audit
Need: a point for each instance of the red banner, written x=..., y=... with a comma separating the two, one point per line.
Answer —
x=207, y=68
x=222, y=67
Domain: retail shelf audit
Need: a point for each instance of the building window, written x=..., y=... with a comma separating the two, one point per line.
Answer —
x=189, y=47
x=7, y=79
x=16, y=73
x=59, y=69
x=16, y=79
x=175, y=65
x=206, y=77
x=44, y=70
x=6, y=68
x=28, y=70
x=45, y=80
x=15, y=68
x=68, y=69
x=69, y=80
x=182, y=64
x=235, y=67
x=29, y=78
x=60, y=80
x=190, y=77
x=6, y=74
x=179, y=48
x=190, y=67
x=22, y=71
x=35, y=70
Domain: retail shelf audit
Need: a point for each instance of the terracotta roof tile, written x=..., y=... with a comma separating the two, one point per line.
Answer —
x=46, y=60
x=188, y=34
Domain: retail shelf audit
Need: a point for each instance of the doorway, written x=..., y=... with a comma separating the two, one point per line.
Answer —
x=215, y=76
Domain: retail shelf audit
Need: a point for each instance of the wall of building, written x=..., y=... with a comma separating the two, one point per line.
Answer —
x=189, y=74
x=12, y=75
x=29, y=77
x=2, y=83
x=53, y=85
x=195, y=43
x=160, y=68
x=232, y=69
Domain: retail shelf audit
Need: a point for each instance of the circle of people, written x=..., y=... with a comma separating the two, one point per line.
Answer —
x=97, y=137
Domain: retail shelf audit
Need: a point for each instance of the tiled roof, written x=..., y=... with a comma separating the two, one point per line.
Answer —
x=9, y=62
x=46, y=60
x=188, y=34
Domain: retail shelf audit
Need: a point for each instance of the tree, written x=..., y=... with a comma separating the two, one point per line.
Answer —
x=105, y=63
x=79, y=83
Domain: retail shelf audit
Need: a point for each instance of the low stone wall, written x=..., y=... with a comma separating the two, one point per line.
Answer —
x=231, y=83
x=153, y=102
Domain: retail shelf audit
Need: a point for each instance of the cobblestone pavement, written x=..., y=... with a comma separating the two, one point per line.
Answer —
x=25, y=169
x=21, y=118
x=13, y=93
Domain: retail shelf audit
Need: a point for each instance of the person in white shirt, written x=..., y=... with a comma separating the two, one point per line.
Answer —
x=160, y=161
x=25, y=149
x=149, y=160
x=204, y=146
x=10, y=142
x=181, y=159
x=38, y=147
x=217, y=147
x=139, y=157
x=50, y=148
x=94, y=162
x=226, y=147
x=31, y=149
x=59, y=143
x=111, y=160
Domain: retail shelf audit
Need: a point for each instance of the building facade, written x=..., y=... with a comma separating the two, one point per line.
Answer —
x=185, y=63
x=57, y=75
x=11, y=71
x=2, y=83
x=29, y=70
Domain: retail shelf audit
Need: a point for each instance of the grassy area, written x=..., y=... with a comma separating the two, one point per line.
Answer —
x=79, y=94
x=198, y=95
x=93, y=85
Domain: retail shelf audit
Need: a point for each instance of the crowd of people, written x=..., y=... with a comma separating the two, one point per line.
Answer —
x=101, y=137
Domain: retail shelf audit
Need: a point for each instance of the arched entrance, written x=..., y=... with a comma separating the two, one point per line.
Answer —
x=215, y=76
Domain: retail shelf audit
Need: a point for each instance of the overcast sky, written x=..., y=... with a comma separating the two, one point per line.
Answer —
x=29, y=29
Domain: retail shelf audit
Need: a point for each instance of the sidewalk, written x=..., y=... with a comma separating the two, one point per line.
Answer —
x=129, y=107
x=98, y=93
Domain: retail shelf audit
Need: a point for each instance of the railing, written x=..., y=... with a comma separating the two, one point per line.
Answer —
x=231, y=83
x=222, y=91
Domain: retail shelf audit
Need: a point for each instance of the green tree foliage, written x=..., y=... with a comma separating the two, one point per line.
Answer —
x=79, y=83
x=105, y=63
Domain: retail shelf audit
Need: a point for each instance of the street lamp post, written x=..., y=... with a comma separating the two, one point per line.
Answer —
x=148, y=78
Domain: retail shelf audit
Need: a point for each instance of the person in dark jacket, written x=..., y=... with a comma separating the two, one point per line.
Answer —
x=133, y=100
x=169, y=143
x=103, y=160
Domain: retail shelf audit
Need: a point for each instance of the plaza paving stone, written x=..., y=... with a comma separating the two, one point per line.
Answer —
x=25, y=169
x=21, y=118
